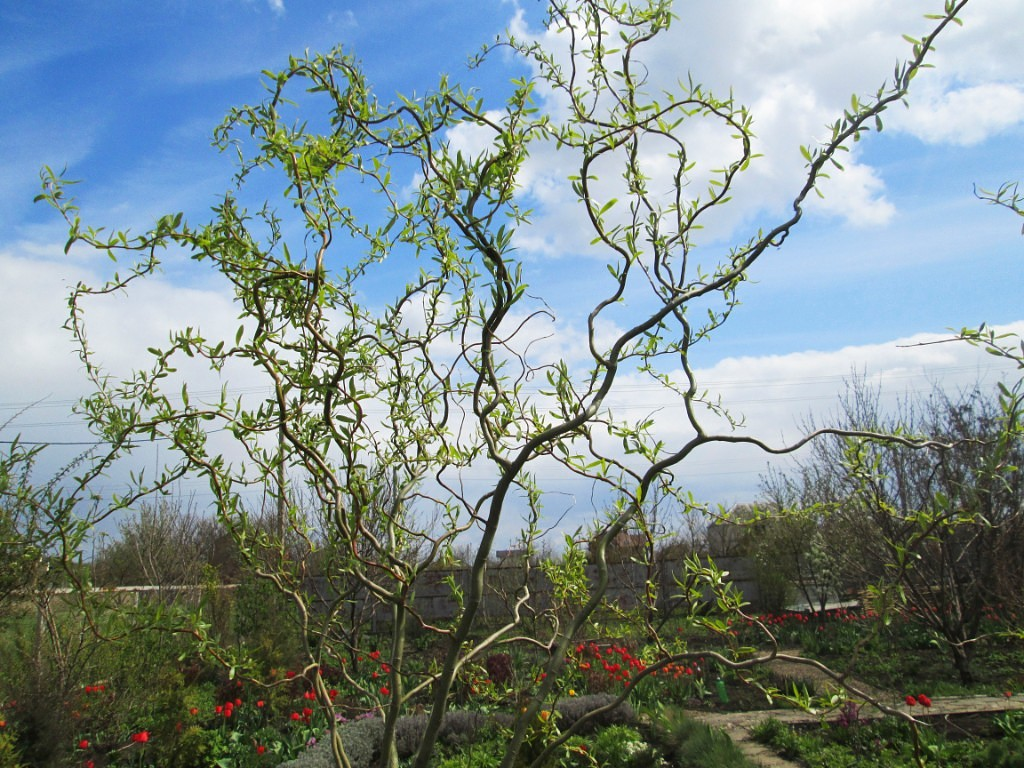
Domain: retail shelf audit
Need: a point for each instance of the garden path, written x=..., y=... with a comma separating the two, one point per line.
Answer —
x=739, y=725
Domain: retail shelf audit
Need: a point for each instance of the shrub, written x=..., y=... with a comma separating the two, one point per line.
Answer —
x=9, y=755
x=689, y=744
x=361, y=739
x=572, y=709
x=481, y=755
x=1005, y=753
x=778, y=736
x=621, y=746
x=499, y=668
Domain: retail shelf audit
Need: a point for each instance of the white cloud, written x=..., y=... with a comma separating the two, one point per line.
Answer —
x=277, y=6
x=775, y=395
x=856, y=194
x=796, y=67
x=964, y=116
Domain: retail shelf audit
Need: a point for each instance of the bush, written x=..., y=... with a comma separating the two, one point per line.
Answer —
x=361, y=739
x=620, y=746
x=572, y=709
x=499, y=668
x=692, y=744
x=9, y=755
x=482, y=755
x=778, y=736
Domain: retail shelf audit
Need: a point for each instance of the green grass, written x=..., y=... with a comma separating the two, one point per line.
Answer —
x=889, y=743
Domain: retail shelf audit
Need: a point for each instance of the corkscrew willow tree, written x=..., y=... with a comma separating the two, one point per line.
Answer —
x=382, y=410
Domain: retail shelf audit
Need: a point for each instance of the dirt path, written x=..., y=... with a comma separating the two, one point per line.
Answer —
x=739, y=725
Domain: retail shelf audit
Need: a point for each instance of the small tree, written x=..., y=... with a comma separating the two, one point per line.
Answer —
x=381, y=411
x=798, y=536
x=934, y=533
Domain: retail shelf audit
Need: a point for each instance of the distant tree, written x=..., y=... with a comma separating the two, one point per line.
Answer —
x=381, y=410
x=936, y=534
x=24, y=538
x=798, y=536
x=163, y=543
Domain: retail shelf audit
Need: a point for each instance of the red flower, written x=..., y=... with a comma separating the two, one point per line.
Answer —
x=194, y=711
x=289, y=674
x=219, y=709
x=141, y=737
x=923, y=700
x=1007, y=694
x=296, y=716
x=385, y=691
x=911, y=701
x=83, y=744
x=260, y=749
x=307, y=712
x=260, y=703
x=375, y=655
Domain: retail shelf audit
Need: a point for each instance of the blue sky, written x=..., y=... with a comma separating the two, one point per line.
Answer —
x=126, y=96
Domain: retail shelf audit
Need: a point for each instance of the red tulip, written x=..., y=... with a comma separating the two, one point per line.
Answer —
x=911, y=701
x=923, y=700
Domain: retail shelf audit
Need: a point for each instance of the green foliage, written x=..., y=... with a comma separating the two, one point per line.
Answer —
x=10, y=756
x=1005, y=753
x=886, y=743
x=482, y=754
x=621, y=746
x=265, y=622
x=692, y=744
x=380, y=407
x=779, y=736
